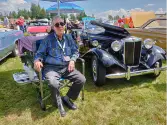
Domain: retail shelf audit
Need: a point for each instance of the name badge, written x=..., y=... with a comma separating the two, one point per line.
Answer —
x=67, y=58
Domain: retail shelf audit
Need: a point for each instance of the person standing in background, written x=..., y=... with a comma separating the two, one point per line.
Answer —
x=20, y=23
x=11, y=23
x=6, y=22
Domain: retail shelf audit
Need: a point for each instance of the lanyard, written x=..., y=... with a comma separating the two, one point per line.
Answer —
x=62, y=47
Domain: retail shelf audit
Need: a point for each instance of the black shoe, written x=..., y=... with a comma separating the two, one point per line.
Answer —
x=69, y=103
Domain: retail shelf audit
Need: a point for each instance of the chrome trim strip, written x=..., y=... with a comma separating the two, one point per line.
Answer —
x=5, y=56
x=134, y=48
x=124, y=53
x=128, y=74
x=140, y=50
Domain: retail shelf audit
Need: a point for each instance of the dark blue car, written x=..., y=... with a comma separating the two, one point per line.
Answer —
x=114, y=53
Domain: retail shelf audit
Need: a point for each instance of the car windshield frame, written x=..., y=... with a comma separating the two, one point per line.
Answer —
x=144, y=26
x=39, y=23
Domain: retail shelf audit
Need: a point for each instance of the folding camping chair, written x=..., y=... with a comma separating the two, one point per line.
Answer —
x=27, y=59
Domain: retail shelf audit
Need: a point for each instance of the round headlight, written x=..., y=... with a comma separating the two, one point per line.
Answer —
x=95, y=43
x=148, y=43
x=116, y=46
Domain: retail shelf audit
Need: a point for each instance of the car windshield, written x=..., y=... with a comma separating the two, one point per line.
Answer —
x=157, y=24
x=39, y=24
x=94, y=29
x=5, y=30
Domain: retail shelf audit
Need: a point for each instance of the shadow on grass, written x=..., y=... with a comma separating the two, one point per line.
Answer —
x=5, y=59
x=118, y=84
x=15, y=99
x=160, y=87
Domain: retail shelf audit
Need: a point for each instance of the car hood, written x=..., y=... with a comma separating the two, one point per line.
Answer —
x=6, y=31
x=37, y=29
x=112, y=30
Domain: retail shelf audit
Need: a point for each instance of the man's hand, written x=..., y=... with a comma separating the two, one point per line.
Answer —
x=38, y=65
x=71, y=66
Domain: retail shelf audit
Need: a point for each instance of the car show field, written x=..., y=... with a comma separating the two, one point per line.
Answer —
x=138, y=101
x=83, y=62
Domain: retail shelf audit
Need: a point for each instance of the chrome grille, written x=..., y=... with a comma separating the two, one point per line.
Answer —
x=132, y=51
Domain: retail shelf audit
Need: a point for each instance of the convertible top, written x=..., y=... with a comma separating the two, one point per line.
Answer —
x=112, y=29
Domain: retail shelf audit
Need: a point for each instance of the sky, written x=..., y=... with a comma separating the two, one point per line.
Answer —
x=91, y=6
x=97, y=6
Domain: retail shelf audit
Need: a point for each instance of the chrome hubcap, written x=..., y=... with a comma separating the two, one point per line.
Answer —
x=94, y=69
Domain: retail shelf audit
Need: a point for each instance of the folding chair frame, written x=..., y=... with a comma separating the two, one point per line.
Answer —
x=28, y=59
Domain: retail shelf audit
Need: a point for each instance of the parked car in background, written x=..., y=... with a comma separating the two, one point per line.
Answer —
x=8, y=42
x=114, y=53
x=154, y=29
x=38, y=28
x=1, y=24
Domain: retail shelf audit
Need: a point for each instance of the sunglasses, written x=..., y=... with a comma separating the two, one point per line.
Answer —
x=59, y=24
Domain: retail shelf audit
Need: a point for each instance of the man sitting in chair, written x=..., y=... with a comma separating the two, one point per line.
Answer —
x=57, y=55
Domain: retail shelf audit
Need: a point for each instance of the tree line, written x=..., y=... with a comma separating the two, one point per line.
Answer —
x=36, y=12
x=115, y=17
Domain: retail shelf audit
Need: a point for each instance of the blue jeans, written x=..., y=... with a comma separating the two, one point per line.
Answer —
x=22, y=28
x=53, y=74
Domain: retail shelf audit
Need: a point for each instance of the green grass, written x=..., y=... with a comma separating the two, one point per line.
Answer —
x=140, y=101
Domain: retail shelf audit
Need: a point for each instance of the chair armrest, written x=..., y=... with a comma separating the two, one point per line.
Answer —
x=81, y=59
x=83, y=64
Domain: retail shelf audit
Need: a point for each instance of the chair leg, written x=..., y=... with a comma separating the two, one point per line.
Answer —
x=83, y=72
x=42, y=104
x=83, y=94
x=40, y=99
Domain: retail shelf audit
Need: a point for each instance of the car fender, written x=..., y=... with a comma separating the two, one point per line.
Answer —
x=104, y=57
x=157, y=49
x=157, y=54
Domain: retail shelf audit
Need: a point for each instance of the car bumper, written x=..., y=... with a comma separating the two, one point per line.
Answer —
x=38, y=33
x=129, y=74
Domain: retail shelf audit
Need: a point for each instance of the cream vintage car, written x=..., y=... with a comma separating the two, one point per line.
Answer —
x=154, y=29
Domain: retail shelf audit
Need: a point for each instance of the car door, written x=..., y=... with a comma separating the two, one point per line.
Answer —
x=3, y=45
x=10, y=38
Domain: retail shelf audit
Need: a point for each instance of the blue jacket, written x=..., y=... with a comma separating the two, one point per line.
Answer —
x=49, y=51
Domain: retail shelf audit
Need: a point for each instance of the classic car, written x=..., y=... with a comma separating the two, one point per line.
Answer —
x=154, y=29
x=8, y=42
x=38, y=28
x=114, y=53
